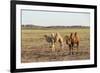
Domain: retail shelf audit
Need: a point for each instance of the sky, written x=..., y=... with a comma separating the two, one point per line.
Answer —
x=51, y=18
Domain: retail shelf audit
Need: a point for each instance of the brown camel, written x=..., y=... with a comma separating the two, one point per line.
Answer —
x=73, y=40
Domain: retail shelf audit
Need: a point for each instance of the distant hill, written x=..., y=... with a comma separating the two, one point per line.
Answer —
x=47, y=27
x=31, y=26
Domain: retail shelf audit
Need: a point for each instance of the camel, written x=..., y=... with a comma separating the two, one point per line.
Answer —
x=53, y=39
x=72, y=40
x=50, y=40
x=59, y=39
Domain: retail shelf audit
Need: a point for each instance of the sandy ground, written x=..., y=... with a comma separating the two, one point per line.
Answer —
x=45, y=55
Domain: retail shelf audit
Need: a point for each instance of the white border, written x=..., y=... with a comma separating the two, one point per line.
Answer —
x=20, y=65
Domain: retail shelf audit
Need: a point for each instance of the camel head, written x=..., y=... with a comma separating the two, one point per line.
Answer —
x=67, y=38
x=45, y=35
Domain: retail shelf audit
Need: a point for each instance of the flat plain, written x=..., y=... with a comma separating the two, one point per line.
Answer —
x=34, y=47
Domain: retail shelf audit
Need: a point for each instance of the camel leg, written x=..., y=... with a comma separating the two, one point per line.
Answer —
x=61, y=46
x=77, y=47
x=70, y=49
x=50, y=45
x=53, y=48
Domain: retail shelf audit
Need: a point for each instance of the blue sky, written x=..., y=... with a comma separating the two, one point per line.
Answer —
x=51, y=18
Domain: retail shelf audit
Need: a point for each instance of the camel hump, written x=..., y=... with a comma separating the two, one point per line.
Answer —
x=76, y=35
x=52, y=34
x=72, y=36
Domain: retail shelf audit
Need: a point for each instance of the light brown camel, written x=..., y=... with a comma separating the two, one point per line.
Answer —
x=50, y=40
x=59, y=39
x=53, y=39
